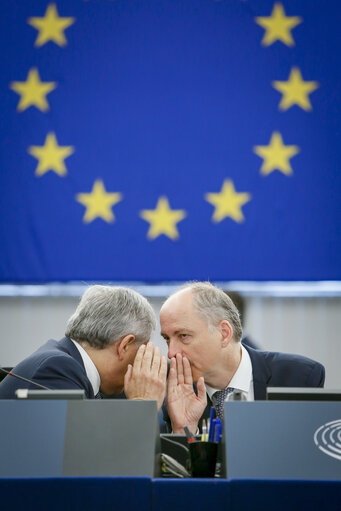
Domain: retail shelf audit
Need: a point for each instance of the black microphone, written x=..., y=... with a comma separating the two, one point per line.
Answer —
x=24, y=379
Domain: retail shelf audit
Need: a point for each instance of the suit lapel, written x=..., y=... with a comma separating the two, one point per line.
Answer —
x=260, y=371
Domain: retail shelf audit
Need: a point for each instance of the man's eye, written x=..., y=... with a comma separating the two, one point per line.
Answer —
x=184, y=336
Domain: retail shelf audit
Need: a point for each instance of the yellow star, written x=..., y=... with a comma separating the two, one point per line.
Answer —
x=98, y=203
x=163, y=220
x=295, y=91
x=51, y=156
x=33, y=91
x=51, y=27
x=276, y=155
x=228, y=202
x=277, y=26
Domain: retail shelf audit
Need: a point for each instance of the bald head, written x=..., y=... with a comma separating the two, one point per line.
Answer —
x=179, y=302
x=208, y=301
x=199, y=322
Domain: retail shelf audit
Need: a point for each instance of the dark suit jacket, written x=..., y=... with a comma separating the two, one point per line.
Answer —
x=246, y=341
x=56, y=365
x=271, y=369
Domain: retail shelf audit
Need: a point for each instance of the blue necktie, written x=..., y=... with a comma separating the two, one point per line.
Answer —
x=218, y=399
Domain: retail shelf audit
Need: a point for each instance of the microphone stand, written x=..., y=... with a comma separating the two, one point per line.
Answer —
x=24, y=379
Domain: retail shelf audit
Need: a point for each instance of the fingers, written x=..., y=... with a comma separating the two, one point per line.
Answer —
x=173, y=363
x=163, y=372
x=201, y=390
x=172, y=380
x=180, y=369
x=156, y=360
x=147, y=378
x=150, y=361
x=147, y=357
x=139, y=358
x=187, y=371
x=163, y=369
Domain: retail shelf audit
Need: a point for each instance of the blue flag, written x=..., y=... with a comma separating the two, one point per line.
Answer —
x=161, y=140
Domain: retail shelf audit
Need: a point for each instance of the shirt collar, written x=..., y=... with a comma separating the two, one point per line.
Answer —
x=242, y=378
x=90, y=368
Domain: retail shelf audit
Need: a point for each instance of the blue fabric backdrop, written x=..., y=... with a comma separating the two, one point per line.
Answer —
x=161, y=140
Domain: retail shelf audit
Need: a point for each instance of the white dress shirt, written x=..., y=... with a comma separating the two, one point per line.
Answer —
x=90, y=368
x=242, y=379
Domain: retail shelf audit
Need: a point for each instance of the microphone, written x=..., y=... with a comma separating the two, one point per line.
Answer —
x=24, y=379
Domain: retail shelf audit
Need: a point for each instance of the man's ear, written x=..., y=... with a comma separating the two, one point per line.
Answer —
x=226, y=332
x=123, y=345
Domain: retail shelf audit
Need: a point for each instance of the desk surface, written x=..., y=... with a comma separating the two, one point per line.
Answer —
x=145, y=494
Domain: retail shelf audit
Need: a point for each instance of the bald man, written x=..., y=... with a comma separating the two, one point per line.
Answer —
x=202, y=328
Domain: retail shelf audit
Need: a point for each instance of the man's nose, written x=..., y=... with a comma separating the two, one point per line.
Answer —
x=173, y=348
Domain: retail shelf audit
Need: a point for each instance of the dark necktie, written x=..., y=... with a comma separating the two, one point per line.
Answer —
x=218, y=399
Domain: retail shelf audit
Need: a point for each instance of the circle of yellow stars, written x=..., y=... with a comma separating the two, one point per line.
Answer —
x=163, y=219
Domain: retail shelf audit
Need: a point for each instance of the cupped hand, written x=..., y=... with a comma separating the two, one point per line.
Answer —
x=184, y=406
x=146, y=378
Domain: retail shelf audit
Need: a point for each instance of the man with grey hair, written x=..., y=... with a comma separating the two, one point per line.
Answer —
x=202, y=328
x=105, y=349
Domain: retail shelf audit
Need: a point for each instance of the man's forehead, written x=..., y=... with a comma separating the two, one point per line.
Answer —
x=172, y=325
x=182, y=298
x=178, y=311
x=173, y=314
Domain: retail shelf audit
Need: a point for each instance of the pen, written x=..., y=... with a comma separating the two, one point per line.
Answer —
x=212, y=430
x=204, y=437
x=217, y=431
x=212, y=415
x=189, y=435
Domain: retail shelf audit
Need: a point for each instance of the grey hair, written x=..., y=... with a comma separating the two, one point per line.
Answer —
x=214, y=305
x=105, y=314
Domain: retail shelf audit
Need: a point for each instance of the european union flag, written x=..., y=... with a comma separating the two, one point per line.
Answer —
x=159, y=140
